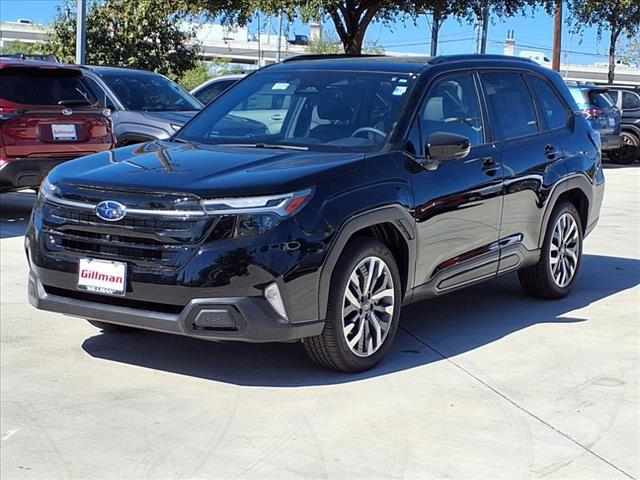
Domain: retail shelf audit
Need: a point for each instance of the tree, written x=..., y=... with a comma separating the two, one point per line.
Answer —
x=618, y=17
x=194, y=77
x=16, y=46
x=351, y=18
x=145, y=34
x=631, y=52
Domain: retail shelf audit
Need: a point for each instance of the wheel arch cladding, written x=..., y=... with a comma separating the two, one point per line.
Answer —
x=575, y=190
x=391, y=225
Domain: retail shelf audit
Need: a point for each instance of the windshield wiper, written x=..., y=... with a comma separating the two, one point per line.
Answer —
x=264, y=145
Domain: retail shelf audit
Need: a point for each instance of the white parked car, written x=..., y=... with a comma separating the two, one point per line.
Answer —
x=211, y=89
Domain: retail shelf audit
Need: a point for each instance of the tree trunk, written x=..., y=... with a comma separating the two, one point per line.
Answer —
x=351, y=24
x=612, y=54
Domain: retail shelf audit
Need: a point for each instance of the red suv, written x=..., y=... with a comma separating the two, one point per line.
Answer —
x=48, y=115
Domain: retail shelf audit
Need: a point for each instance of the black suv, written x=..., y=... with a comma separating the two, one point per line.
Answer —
x=627, y=99
x=388, y=181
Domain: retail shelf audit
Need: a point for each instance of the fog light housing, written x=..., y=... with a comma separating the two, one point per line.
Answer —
x=272, y=294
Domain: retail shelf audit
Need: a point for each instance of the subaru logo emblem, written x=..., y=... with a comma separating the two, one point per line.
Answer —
x=111, y=211
x=67, y=111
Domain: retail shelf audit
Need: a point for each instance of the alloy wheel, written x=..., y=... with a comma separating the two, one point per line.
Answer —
x=368, y=305
x=565, y=248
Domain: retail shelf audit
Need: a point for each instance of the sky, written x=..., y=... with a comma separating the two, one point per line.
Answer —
x=532, y=32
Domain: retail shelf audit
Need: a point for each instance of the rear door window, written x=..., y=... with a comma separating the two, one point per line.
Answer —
x=39, y=86
x=510, y=105
x=212, y=91
x=630, y=101
x=552, y=108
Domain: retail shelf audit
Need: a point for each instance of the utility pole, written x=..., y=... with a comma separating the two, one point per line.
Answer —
x=435, y=29
x=557, y=35
x=482, y=29
x=485, y=28
x=81, y=33
x=279, y=39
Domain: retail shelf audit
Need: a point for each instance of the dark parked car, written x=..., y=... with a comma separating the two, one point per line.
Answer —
x=627, y=99
x=598, y=108
x=144, y=105
x=48, y=115
x=389, y=181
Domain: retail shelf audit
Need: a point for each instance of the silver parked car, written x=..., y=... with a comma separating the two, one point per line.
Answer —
x=144, y=105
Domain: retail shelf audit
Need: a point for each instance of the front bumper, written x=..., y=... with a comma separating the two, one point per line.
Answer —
x=252, y=318
x=610, y=142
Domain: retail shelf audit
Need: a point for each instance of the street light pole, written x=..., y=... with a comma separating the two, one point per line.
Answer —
x=557, y=35
x=278, y=54
x=81, y=32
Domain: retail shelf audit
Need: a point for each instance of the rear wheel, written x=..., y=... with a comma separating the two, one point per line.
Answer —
x=363, y=309
x=554, y=276
x=629, y=152
x=112, y=327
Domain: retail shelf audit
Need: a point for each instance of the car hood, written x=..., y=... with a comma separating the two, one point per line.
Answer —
x=177, y=118
x=205, y=170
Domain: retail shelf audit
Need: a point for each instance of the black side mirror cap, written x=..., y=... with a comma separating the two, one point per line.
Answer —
x=445, y=146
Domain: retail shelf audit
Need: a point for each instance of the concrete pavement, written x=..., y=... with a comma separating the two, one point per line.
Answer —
x=485, y=383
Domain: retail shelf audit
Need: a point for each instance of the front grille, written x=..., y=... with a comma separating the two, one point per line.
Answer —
x=141, y=239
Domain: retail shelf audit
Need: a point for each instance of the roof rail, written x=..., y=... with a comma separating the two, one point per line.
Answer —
x=327, y=56
x=475, y=56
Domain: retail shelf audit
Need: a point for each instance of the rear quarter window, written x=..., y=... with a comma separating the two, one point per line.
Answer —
x=34, y=86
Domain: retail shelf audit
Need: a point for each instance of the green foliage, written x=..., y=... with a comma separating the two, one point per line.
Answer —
x=351, y=18
x=621, y=18
x=194, y=77
x=138, y=34
x=630, y=53
x=324, y=46
x=16, y=46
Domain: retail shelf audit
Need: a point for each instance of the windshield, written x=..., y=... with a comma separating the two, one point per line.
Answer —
x=315, y=109
x=149, y=92
x=590, y=98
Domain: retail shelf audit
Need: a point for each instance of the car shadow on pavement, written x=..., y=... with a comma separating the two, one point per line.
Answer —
x=450, y=325
x=15, y=210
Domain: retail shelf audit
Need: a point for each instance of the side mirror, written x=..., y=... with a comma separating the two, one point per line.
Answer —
x=444, y=146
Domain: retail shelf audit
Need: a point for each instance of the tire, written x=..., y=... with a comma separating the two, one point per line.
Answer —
x=544, y=280
x=331, y=349
x=112, y=327
x=629, y=152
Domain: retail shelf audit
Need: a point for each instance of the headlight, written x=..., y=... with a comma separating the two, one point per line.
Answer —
x=47, y=190
x=257, y=215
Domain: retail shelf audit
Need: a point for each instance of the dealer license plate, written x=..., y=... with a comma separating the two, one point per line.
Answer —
x=64, y=132
x=102, y=276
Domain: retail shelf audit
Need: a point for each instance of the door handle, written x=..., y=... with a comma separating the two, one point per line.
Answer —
x=276, y=117
x=550, y=151
x=490, y=167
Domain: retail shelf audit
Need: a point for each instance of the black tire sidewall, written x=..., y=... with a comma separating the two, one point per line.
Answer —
x=361, y=249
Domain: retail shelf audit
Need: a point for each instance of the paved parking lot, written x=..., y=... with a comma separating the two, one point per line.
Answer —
x=485, y=383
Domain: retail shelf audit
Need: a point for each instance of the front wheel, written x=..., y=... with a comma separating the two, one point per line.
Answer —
x=555, y=274
x=363, y=309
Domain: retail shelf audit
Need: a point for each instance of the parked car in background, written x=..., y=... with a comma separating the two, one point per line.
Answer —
x=391, y=180
x=213, y=88
x=144, y=105
x=48, y=115
x=600, y=111
x=627, y=99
